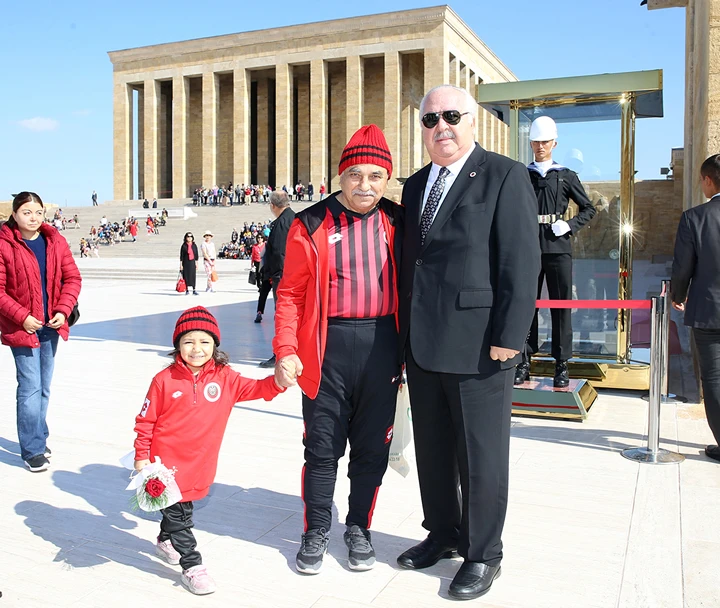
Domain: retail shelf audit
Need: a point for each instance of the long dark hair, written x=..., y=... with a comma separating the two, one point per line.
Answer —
x=188, y=234
x=220, y=357
x=21, y=199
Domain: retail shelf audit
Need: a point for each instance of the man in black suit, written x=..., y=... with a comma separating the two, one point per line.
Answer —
x=274, y=256
x=695, y=288
x=468, y=285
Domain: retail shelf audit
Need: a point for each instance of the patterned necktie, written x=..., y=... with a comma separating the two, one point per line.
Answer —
x=432, y=203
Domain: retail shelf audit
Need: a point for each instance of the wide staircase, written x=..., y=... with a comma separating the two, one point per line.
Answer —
x=220, y=220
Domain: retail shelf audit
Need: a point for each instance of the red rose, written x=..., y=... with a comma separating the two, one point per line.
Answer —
x=155, y=487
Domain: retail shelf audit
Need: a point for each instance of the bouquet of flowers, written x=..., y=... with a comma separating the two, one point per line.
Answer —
x=155, y=487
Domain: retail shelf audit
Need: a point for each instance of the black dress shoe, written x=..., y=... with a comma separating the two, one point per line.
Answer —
x=522, y=373
x=713, y=451
x=473, y=580
x=562, y=375
x=426, y=554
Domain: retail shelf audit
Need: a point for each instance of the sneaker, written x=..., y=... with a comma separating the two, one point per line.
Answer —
x=269, y=363
x=37, y=463
x=313, y=545
x=198, y=581
x=258, y=318
x=48, y=452
x=361, y=555
x=166, y=552
x=195, y=293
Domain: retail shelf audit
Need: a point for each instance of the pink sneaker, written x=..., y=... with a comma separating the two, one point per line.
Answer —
x=198, y=581
x=165, y=551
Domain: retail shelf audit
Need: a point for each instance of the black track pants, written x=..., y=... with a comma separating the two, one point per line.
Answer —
x=176, y=526
x=356, y=402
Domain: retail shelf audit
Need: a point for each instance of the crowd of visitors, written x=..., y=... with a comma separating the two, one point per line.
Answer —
x=244, y=194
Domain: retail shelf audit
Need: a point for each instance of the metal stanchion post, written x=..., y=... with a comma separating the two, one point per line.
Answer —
x=665, y=395
x=652, y=454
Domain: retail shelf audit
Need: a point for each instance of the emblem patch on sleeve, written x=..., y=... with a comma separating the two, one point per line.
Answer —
x=146, y=405
x=389, y=435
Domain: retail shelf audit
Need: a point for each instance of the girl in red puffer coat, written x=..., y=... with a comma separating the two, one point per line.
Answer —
x=39, y=286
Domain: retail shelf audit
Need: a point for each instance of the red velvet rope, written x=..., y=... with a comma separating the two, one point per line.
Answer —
x=604, y=304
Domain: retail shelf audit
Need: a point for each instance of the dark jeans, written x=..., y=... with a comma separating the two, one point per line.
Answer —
x=34, y=368
x=707, y=343
x=176, y=526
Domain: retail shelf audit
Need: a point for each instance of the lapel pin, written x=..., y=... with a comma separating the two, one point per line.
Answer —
x=473, y=174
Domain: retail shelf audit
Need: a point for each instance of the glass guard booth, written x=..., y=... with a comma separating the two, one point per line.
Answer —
x=596, y=123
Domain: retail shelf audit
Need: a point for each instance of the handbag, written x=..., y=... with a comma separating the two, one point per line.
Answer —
x=213, y=277
x=74, y=316
x=252, y=278
x=180, y=286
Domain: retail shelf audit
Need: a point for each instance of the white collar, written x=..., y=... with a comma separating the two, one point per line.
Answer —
x=455, y=167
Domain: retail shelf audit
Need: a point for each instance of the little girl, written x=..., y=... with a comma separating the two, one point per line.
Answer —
x=183, y=421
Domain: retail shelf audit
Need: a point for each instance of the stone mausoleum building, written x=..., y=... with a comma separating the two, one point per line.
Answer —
x=275, y=106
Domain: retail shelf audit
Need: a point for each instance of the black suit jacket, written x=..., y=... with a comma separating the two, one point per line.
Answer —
x=473, y=283
x=276, y=244
x=696, y=265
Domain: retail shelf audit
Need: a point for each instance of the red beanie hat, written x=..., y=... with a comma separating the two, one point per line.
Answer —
x=196, y=319
x=366, y=147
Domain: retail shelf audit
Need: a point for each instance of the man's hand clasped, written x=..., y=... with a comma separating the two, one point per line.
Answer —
x=287, y=371
x=502, y=354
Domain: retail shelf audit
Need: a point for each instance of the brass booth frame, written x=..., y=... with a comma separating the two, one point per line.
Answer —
x=639, y=95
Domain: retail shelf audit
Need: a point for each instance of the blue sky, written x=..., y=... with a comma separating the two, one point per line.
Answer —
x=56, y=92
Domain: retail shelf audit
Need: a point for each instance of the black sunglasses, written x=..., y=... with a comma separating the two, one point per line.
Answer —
x=451, y=117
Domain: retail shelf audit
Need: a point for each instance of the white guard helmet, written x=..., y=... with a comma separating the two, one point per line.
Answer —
x=543, y=128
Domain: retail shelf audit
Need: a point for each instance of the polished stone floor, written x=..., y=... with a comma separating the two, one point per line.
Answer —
x=585, y=527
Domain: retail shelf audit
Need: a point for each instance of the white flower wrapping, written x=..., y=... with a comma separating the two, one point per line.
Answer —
x=155, y=470
x=402, y=449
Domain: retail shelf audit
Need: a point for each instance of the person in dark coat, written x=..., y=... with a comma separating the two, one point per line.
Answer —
x=695, y=288
x=189, y=263
x=470, y=261
x=554, y=187
x=274, y=258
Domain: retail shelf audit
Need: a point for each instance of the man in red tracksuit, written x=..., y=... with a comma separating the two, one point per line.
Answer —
x=336, y=324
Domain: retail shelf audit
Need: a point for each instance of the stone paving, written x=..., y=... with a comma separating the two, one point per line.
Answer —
x=585, y=528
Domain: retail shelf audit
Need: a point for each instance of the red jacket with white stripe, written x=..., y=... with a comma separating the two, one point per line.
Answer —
x=21, y=290
x=183, y=420
x=302, y=299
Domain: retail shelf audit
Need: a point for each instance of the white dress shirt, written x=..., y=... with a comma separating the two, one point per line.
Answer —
x=454, y=169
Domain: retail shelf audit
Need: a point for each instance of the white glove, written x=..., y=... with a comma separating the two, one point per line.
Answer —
x=560, y=227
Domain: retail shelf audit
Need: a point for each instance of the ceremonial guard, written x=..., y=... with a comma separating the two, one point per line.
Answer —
x=554, y=185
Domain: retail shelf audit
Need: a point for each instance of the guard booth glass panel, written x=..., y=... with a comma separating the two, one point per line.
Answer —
x=588, y=143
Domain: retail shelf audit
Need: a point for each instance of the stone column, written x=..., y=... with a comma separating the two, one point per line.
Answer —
x=179, y=137
x=436, y=72
x=241, y=130
x=209, y=129
x=318, y=121
x=123, y=141
x=150, y=139
x=283, y=124
x=393, y=81
x=353, y=95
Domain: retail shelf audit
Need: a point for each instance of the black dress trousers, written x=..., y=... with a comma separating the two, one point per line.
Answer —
x=461, y=424
x=556, y=270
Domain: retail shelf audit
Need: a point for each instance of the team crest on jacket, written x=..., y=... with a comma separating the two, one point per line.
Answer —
x=388, y=435
x=145, y=407
x=212, y=391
